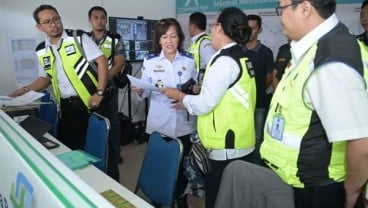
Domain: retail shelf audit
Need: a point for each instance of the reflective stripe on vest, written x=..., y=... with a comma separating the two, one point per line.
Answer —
x=240, y=94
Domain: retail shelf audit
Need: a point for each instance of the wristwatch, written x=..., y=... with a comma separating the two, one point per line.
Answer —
x=100, y=92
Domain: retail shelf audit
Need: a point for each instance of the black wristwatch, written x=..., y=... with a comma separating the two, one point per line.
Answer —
x=100, y=92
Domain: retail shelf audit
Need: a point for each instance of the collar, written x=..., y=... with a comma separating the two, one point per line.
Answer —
x=224, y=47
x=194, y=38
x=48, y=43
x=162, y=55
x=98, y=41
x=299, y=48
x=255, y=49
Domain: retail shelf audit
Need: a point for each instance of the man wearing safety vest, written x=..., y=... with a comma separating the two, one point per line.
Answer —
x=78, y=86
x=112, y=47
x=316, y=131
x=201, y=46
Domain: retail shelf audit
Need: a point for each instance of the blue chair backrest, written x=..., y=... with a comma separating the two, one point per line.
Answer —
x=159, y=169
x=48, y=112
x=97, y=139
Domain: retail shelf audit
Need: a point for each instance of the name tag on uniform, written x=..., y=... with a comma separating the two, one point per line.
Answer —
x=107, y=46
x=277, y=127
x=46, y=62
x=69, y=50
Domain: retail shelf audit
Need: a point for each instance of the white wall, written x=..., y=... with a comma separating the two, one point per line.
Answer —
x=17, y=22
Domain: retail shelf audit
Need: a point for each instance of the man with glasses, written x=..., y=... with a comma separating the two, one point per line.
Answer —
x=316, y=135
x=78, y=86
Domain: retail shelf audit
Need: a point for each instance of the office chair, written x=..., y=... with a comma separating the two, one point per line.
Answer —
x=157, y=177
x=48, y=112
x=97, y=139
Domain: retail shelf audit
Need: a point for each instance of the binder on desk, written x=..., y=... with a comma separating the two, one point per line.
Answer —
x=37, y=128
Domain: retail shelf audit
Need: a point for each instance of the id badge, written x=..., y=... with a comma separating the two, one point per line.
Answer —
x=277, y=127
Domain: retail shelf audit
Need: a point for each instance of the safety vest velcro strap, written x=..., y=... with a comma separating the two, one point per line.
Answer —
x=270, y=164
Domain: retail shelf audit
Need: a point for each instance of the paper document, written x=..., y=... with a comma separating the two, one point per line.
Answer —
x=25, y=99
x=142, y=84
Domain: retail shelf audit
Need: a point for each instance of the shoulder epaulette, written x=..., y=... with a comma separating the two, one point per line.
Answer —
x=41, y=45
x=151, y=55
x=186, y=54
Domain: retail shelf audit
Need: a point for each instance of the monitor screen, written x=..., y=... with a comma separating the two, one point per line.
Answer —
x=137, y=35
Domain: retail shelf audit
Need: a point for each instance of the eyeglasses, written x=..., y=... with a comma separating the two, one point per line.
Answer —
x=215, y=24
x=48, y=22
x=280, y=8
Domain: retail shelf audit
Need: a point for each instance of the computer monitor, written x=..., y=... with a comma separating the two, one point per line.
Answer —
x=137, y=35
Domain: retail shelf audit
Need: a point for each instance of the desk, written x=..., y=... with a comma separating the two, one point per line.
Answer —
x=98, y=180
x=33, y=177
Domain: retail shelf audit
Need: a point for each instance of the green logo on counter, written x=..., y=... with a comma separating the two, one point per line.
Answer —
x=21, y=192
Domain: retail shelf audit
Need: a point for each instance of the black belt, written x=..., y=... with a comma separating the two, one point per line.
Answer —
x=72, y=99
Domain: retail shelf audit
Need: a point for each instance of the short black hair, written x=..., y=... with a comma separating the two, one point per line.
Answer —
x=40, y=9
x=199, y=19
x=257, y=18
x=365, y=2
x=96, y=8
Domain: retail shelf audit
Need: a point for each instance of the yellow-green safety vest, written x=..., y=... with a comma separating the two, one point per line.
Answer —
x=302, y=156
x=230, y=124
x=194, y=49
x=78, y=70
x=108, y=46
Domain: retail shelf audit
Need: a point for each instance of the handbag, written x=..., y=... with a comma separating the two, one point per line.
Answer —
x=201, y=158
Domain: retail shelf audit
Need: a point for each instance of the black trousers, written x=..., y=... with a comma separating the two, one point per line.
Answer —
x=73, y=123
x=182, y=181
x=329, y=196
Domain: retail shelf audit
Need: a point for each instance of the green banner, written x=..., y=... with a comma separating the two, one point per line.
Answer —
x=190, y=6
